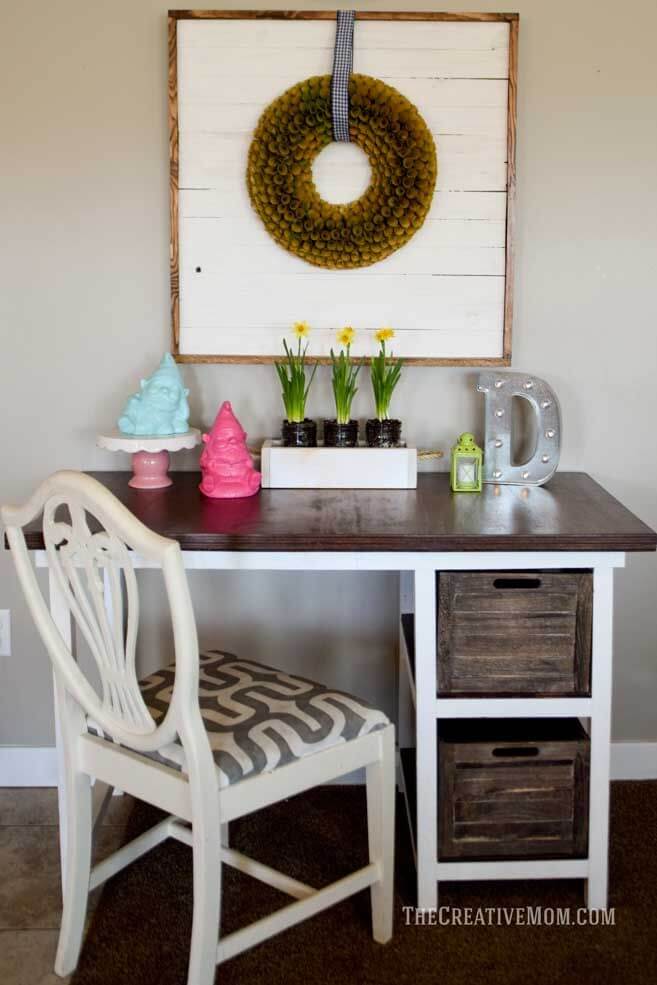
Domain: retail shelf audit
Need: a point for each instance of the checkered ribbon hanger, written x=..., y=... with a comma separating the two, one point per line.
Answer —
x=343, y=62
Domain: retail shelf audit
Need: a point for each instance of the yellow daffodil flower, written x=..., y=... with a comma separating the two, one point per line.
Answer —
x=384, y=334
x=301, y=329
x=346, y=335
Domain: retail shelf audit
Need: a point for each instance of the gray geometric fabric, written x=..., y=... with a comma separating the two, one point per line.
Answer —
x=343, y=60
x=258, y=718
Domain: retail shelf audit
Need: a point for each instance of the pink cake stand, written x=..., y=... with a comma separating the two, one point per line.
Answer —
x=150, y=454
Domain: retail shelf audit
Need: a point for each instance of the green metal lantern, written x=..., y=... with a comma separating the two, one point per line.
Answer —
x=465, y=471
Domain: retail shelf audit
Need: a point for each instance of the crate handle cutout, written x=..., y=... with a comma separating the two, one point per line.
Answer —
x=517, y=751
x=517, y=583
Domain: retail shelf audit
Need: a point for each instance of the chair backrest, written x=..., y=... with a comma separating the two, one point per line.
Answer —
x=89, y=536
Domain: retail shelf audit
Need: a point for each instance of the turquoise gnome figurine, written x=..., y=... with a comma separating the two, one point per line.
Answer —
x=160, y=407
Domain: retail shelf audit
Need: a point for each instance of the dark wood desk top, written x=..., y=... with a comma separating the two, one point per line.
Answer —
x=570, y=513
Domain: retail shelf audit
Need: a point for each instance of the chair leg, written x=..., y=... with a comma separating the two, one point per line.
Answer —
x=77, y=868
x=206, y=848
x=380, y=779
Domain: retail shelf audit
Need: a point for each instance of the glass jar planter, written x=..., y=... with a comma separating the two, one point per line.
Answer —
x=383, y=434
x=338, y=435
x=299, y=434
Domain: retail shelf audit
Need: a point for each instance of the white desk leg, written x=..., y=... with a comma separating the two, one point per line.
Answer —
x=405, y=719
x=426, y=752
x=601, y=670
x=62, y=618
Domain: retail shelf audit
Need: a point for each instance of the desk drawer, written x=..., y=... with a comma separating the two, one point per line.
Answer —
x=507, y=632
x=513, y=789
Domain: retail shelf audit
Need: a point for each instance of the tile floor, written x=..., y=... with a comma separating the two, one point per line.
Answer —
x=30, y=900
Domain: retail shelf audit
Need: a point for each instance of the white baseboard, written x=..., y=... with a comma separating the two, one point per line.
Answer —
x=31, y=766
x=28, y=766
x=634, y=760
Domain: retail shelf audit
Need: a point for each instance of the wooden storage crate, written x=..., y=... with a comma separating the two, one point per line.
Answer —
x=514, y=632
x=513, y=789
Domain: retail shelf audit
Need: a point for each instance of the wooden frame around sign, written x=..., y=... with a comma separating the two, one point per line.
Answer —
x=511, y=18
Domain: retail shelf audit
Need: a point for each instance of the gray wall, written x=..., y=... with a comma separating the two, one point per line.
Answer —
x=84, y=313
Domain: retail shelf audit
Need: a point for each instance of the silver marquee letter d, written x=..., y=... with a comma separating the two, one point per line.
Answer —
x=500, y=389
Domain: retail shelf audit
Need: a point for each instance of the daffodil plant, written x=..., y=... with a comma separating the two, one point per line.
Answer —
x=292, y=375
x=345, y=374
x=384, y=373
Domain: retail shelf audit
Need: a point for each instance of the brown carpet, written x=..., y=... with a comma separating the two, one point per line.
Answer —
x=140, y=932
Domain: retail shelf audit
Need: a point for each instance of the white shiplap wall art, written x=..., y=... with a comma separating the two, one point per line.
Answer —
x=447, y=292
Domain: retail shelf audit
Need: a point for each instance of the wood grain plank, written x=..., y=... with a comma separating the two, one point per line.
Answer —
x=212, y=236
x=208, y=358
x=468, y=207
x=481, y=783
x=361, y=15
x=174, y=266
x=555, y=807
x=313, y=59
x=512, y=117
x=483, y=657
x=223, y=249
x=428, y=290
x=443, y=121
x=511, y=838
x=585, y=518
x=433, y=93
x=549, y=608
x=368, y=35
x=473, y=261
x=547, y=649
x=214, y=160
x=409, y=344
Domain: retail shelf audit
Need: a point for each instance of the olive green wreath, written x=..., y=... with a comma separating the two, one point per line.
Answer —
x=296, y=127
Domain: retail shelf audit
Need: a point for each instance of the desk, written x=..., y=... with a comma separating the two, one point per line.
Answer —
x=570, y=523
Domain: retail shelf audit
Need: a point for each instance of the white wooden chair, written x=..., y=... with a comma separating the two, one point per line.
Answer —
x=207, y=740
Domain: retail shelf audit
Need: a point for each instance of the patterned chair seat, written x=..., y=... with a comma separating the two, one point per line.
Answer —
x=258, y=718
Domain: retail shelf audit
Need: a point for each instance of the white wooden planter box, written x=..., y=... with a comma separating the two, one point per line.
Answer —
x=338, y=468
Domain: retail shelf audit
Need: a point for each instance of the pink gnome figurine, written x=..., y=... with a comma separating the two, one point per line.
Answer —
x=226, y=465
